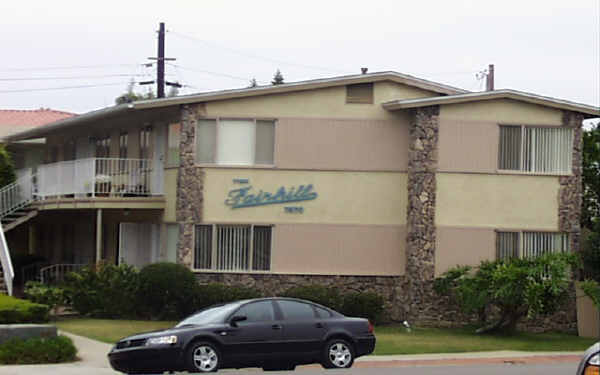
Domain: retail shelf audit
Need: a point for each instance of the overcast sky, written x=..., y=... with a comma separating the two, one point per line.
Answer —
x=548, y=47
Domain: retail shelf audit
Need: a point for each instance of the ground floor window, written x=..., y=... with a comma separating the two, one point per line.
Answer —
x=233, y=247
x=530, y=244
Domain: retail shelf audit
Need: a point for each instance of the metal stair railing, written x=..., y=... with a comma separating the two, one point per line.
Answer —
x=56, y=272
x=17, y=195
x=6, y=262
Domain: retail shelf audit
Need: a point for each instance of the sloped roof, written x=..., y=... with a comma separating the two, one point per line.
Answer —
x=18, y=120
x=588, y=110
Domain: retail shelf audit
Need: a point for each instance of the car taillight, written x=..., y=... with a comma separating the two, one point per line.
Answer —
x=370, y=327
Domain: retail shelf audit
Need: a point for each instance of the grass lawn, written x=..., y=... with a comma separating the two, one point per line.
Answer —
x=391, y=339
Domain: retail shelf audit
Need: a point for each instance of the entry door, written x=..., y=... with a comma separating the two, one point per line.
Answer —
x=138, y=243
x=158, y=159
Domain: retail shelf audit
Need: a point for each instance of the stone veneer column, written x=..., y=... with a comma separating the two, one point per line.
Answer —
x=190, y=179
x=569, y=200
x=421, y=233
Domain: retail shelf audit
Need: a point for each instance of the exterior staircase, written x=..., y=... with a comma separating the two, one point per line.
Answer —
x=16, y=200
x=3, y=289
x=18, y=217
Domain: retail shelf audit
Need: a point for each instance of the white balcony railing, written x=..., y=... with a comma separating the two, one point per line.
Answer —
x=97, y=177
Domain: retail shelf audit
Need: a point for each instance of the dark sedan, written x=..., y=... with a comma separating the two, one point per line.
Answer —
x=590, y=362
x=272, y=333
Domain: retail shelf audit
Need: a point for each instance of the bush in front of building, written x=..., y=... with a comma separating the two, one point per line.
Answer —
x=104, y=291
x=214, y=293
x=37, y=350
x=52, y=296
x=15, y=311
x=167, y=291
x=367, y=305
x=320, y=294
x=505, y=291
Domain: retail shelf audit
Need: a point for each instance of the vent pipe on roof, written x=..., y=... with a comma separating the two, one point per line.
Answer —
x=489, y=84
x=364, y=70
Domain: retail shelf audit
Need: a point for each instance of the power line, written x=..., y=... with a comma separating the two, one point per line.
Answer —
x=208, y=72
x=253, y=56
x=63, y=87
x=71, y=77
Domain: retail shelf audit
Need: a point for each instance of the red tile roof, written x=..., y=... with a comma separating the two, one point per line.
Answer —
x=31, y=118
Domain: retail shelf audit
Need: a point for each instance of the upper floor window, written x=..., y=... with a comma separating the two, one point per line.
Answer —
x=145, y=139
x=359, y=93
x=530, y=244
x=535, y=149
x=123, y=138
x=102, y=147
x=235, y=142
x=173, y=144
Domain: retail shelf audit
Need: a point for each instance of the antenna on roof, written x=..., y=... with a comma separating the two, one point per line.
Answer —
x=364, y=70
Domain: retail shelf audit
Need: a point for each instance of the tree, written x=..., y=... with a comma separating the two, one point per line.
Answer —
x=131, y=96
x=277, y=78
x=590, y=209
x=514, y=288
x=253, y=83
x=7, y=168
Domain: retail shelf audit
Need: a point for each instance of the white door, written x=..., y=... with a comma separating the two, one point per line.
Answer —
x=139, y=243
x=160, y=143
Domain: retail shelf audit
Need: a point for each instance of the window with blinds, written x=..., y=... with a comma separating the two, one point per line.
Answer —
x=530, y=244
x=535, y=149
x=235, y=142
x=233, y=247
x=359, y=93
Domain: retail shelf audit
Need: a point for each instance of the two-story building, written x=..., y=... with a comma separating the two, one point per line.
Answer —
x=376, y=181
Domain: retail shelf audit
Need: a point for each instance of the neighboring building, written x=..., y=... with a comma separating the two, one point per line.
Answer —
x=370, y=182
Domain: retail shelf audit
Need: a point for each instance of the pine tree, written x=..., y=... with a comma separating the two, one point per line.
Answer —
x=253, y=83
x=277, y=78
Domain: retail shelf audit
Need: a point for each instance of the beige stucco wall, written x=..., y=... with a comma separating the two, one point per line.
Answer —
x=325, y=103
x=170, y=189
x=343, y=197
x=368, y=145
x=463, y=246
x=497, y=201
x=338, y=249
x=468, y=146
x=504, y=111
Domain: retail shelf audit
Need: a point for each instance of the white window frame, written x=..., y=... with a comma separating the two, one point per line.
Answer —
x=521, y=161
x=218, y=120
x=214, y=248
x=521, y=239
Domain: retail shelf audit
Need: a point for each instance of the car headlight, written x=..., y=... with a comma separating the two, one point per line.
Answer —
x=162, y=340
x=593, y=365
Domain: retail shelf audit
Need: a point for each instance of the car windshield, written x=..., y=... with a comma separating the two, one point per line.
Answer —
x=215, y=314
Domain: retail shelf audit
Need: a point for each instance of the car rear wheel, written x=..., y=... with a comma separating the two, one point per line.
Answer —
x=338, y=353
x=203, y=357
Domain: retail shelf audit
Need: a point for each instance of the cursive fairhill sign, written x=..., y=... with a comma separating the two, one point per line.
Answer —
x=247, y=197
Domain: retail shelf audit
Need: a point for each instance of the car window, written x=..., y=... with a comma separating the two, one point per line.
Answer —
x=322, y=312
x=293, y=310
x=211, y=314
x=257, y=312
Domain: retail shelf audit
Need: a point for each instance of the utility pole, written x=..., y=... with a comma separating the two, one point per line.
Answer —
x=160, y=65
x=489, y=82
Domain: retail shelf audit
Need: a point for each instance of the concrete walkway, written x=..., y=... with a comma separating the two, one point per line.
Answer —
x=94, y=361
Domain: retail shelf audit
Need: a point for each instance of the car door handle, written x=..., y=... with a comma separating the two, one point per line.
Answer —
x=319, y=325
x=276, y=326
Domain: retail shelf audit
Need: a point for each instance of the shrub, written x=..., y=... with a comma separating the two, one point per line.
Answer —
x=37, y=350
x=43, y=294
x=363, y=305
x=322, y=295
x=13, y=310
x=591, y=288
x=167, y=291
x=214, y=293
x=105, y=290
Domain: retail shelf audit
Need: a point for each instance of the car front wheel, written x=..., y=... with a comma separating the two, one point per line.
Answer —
x=338, y=353
x=203, y=357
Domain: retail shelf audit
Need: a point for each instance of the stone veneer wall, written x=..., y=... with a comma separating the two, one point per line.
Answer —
x=569, y=201
x=190, y=181
x=421, y=232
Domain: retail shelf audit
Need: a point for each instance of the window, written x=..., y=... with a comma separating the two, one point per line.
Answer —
x=535, y=149
x=123, y=138
x=173, y=144
x=235, y=142
x=293, y=310
x=257, y=312
x=359, y=93
x=233, y=247
x=145, y=139
x=172, y=242
x=322, y=312
x=530, y=244
x=102, y=147
x=69, y=150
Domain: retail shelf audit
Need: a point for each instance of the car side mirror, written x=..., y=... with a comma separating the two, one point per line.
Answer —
x=238, y=318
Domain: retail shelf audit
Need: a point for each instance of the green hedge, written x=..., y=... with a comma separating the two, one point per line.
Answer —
x=37, y=350
x=14, y=310
x=214, y=293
